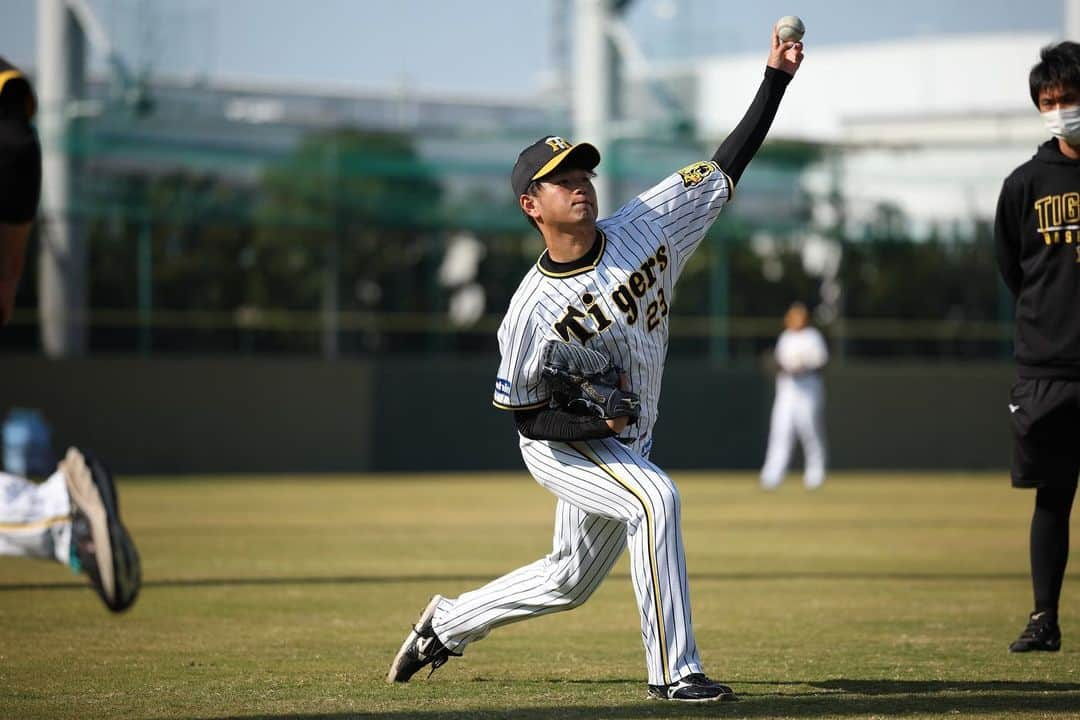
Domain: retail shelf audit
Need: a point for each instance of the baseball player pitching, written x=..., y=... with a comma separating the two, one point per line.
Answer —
x=583, y=345
x=799, y=406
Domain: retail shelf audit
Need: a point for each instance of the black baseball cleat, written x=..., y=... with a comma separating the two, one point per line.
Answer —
x=1042, y=633
x=694, y=688
x=100, y=544
x=421, y=647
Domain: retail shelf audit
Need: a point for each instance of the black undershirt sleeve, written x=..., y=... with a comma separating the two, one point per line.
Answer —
x=558, y=424
x=735, y=153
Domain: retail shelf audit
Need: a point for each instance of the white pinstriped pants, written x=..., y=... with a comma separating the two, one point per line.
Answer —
x=610, y=497
x=35, y=519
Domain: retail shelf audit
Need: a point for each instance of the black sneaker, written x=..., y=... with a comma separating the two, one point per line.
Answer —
x=420, y=648
x=100, y=543
x=1042, y=633
x=696, y=688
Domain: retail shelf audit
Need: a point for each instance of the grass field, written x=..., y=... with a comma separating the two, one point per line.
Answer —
x=879, y=596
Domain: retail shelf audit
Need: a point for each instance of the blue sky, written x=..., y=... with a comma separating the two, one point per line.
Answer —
x=489, y=48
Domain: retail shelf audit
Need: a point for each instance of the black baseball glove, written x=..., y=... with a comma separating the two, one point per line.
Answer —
x=586, y=382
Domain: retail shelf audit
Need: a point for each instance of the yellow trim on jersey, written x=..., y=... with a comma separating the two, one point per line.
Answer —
x=576, y=271
x=650, y=527
x=730, y=186
x=36, y=525
x=542, y=403
x=8, y=75
x=31, y=102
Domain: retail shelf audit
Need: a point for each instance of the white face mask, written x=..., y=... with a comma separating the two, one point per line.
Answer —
x=1064, y=123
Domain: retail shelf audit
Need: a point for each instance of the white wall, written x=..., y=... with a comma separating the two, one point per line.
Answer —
x=932, y=125
x=897, y=79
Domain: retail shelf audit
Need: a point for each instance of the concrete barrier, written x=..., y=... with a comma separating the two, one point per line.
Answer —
x=265, y=414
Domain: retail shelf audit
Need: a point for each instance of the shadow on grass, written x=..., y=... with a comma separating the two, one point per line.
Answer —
x=841, y=697
x=478, y=579
x=904, y=687
x=262, y=581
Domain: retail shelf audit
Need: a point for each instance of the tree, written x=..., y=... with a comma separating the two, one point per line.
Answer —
x=345, y=223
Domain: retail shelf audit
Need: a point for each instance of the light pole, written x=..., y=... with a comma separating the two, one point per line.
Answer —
x=62, y=261
x=65, y=29
x=592, y=78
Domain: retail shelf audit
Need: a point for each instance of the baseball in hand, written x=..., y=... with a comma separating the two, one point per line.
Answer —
x=790, y=28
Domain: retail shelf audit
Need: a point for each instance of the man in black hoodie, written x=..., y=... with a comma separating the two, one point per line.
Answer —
x=20, y=179
x=1037, y=242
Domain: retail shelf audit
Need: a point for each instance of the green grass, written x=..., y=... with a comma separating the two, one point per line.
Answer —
x=879, y=596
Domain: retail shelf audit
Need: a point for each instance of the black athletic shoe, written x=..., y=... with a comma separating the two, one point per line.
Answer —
x=100, y=543
x=1042, y=633
x=695, y=688
x=420, y=648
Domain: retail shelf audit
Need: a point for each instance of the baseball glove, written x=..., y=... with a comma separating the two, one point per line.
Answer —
x=586, y=382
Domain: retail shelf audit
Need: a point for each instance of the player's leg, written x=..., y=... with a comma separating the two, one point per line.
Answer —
x=584, y=548
x=1046, y=457
x=809, y=422
x=105, y=550
x=609, y=478
x=608, y=492
x=35, y=519
x=781, y=439
x=73, y=517
x=1049, y=549
x=1050, y=545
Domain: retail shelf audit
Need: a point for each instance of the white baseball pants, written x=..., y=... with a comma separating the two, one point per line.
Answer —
x=798, y=411
x=35, y=519
x=610, y=497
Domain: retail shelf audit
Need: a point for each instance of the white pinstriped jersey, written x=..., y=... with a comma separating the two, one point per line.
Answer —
x=618, y=302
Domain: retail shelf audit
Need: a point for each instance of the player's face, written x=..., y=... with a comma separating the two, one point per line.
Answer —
x=795, y=319
x=567, y=197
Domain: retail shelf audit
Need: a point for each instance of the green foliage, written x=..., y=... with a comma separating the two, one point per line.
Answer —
x=196, y=248
x=896, y=278
x=751, y=292
x=348, y=213
x=355, y=204
x=357, y=222
x=885, y=596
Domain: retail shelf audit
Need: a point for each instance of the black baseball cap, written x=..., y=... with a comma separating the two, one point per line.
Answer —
x=547, y=154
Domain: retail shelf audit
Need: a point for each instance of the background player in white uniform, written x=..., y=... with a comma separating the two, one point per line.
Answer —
x=799, y=406
x=606, y=285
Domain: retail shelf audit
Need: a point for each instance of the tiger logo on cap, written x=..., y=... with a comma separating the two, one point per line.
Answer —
x=557, y=144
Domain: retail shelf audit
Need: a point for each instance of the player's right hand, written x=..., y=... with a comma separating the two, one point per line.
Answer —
x=618, y=424
x=786, y=56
